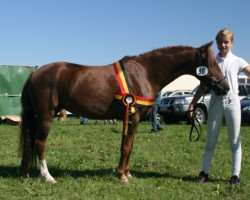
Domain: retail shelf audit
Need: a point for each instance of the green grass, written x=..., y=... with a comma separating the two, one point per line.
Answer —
x=83, y=159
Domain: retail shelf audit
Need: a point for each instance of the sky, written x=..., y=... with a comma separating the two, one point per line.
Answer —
x=99, y=32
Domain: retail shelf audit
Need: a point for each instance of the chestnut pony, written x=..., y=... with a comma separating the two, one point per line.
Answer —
x=90, y=92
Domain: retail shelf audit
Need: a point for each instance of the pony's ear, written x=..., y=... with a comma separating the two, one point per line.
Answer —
x=204, y=47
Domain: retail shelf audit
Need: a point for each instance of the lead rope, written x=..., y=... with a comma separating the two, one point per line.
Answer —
x=194, y=123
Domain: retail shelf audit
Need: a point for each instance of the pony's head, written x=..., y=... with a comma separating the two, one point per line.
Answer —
x=208, y=71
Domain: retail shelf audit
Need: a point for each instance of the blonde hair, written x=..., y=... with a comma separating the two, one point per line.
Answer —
x=224, y=32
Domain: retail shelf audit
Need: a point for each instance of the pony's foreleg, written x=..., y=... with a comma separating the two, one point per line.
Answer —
x=130, y=146
x=43, y=164
x=123, y=160
x=126, y=149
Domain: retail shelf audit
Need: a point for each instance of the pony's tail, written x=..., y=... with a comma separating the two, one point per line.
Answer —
x=27, y=148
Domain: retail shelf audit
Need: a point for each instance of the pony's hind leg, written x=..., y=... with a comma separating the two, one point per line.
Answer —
x=42, y=134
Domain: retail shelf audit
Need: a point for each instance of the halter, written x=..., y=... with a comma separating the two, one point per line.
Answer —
x=214, y=83
x=198, y=59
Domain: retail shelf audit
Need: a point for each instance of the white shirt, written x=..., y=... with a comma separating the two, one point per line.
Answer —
x=231, y=66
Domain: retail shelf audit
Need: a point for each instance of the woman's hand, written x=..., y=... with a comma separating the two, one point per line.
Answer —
x=190, y=112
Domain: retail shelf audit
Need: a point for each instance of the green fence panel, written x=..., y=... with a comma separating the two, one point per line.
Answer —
x=12, y=79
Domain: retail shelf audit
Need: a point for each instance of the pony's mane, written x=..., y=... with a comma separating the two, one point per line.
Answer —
x=164, y=51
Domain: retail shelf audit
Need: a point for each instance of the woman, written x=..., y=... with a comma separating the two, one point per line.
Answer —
x=227, y=106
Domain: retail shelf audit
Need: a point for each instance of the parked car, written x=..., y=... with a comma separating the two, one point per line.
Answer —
x=171, y=94
x=174, y=109
x=175, y=93
x=245, y=109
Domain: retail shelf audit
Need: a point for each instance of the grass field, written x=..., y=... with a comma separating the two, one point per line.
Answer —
x=84, y=158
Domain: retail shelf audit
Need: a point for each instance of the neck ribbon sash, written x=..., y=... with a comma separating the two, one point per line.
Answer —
x=129, y=100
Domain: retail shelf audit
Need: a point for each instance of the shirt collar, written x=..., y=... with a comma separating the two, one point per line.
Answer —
x=228, y=55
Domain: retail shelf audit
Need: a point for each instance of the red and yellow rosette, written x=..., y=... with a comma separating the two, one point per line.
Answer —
x=128, y=101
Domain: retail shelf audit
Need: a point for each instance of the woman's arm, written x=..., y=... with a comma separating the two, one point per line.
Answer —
x=197, y=96
x=246, y=71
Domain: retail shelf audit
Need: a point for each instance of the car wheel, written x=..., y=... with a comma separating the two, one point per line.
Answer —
x=200, y=115
x=158, y=117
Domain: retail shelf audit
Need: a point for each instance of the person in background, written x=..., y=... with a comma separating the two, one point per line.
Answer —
x=227, y=106
x=154, y=121
x=107, y=121
x=83, y=120
x=62, y=115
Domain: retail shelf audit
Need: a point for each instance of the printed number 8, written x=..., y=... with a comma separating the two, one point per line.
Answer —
x=202, y=71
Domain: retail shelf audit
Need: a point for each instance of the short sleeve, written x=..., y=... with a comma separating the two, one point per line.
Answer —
x=242, y=63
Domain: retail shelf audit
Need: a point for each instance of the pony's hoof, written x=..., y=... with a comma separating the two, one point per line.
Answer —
x=50, y=180
x=124, y=180
x=129, y=176
x=24, y=176
x=22, y=173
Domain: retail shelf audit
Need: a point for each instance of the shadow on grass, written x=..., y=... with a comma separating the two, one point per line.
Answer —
x=8, y=171
x=145, y=175
x=11, y=171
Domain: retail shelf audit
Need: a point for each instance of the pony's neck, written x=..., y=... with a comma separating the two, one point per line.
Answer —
x=170, y=65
